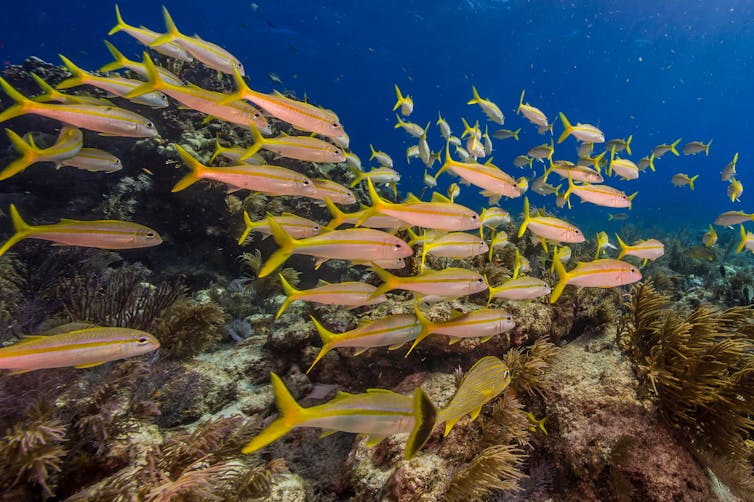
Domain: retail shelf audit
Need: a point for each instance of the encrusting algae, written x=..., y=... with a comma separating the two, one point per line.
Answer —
x=190, y=421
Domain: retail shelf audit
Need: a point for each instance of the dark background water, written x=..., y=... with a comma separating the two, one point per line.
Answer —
x=657, y=70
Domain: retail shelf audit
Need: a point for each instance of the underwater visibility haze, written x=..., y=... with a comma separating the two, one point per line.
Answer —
x=473, y=250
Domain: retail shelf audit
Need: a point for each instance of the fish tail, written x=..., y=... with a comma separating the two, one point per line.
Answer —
x=154, y=81
x=258, y=142
x=337, y=215
x=740, y=247
x=249, y=227
x=291, y=294
x=554, y=258
x=524, y=223
x=78, y=77
x=120, y=24
x=218, y=150
x=23, y=230
x=706, y=148
x=49, y=92
x=28, y=156
x=448, y=161
x=562, y=281
x=172, y=30
x=597, y=163
x=652, y=162
x=197, y=169
x=425, y=249
x=22, y=102
x=400, y=122
x=427, y=327
x=327, y=337
x=377, y=204
x=628, y=144
x=290, y=410
x=673, y=145
x=691, y=181
x=520, y=103
x=476, y=98
x=241, y=86
x=388, y=281
x=515, y=133
x=400, y=99
x=517, y=263
x=359, y=176
x=568, y=128
x=547, y=172
x=492, y=239
x=118, y=56
x=287, y=246
x=425, y=416
x=624, y=248
x=374, y=152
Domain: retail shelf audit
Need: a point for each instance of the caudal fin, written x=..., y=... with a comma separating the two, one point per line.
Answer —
x=740, y=247
x=172, y=30
x=22, y=102
x=287, y=246
x=29, y=155
x=119, y=59
x=120, y=24
x=624, y=248
x=692, y=180
x=673, y=145
x=154, y=81
x=249, y=227
x=524, y=223
x=197, y=169
x=258, y=142
x=425, y=416
x=568, y=128
x=476, y=98
x=562, y=281
x=291, y=416
x=291, y=294
x=327, y=337
x=427, y=327
x=79, y=76
x=23, y=230
x=388, y=282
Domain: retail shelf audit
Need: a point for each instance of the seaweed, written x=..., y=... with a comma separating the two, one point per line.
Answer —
x=529, y=370
x=187, y=328
x=497, y=468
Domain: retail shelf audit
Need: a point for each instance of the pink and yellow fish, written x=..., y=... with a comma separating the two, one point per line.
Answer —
x=349, y=294
x=604, y=273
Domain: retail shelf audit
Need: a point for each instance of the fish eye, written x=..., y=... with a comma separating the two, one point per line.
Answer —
x=316, y=227
x=150, y=235
x=480, y=280
x=117, y=162
x=397, y=246
x=256, y=115
x=506, y=374
x=474, y=217
x=150, y=125
x=509, y=318
x=335, y=125
x=306, y=183
x=633, y=270
x=142, y=340
x=239, y=65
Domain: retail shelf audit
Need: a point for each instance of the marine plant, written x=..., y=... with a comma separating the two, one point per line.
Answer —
x=497, y=468
x=11, y=282
x=529, y=369
x=187, y=328
x=698, y=368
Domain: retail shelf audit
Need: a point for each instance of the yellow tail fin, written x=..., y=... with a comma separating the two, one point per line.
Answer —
x=23, y=230
x=291, y=294
x=292, y=416
x=624, y=248
x=568, y=128
x=120, y=59
x=327, y=337
x=673, y=145
x=154, y=81
x=692, y=180
x=79, y=76
x=389, y=281
x=377, y=204
x=425, y=416
x=258, y=142
x=520, y=104
x=427, y=327
x=249, y=227
x=476, y=98
x=197, y=169
x=524, y=223
x=562, y=281
x=120, y=24
x=172, y=30
x=740, y=247
x=29, y=155
x=628, y=144
x=22, y=106
x=287, y=246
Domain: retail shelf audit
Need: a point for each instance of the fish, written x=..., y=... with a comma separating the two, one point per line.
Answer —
x=69, y=143
x=694, y=147
x=541, y=187
x=487, y=379
x=522, y=183
x=146, y=37
x=646, y=162
x=353, y=161
x=603, y=242
x=600, y=195
x=106, y=120
x=487, y=142
x=505, y=134
x=306, y=148
x=499, y=240
x=411, y=128
x=700, y=253
x=624, y=168
x=429, y=180
x=453, y=191
x=730, y=218
x=274, y=78
x=710, y=238
x=52, y=95
x=93, y=160
x=382, y=175
x=730, y=169
x=735, y=189
x=271, y=180
x=520, y=264
x=450, y=282
x=348, y=294
x=297, y=227
x=563, y=254
x=474, y=147
x=617, y=217
x=392, y=331
x=350, y=244
x=489, y=108
x=582, y=132
x=520, y=288
x=376, y=221
x=603, y=273
x=480, y=323
x=405, y=103
x=472, y=132
x=80, y=348
x=532, y=113
x=377, y=413
x=440, y=215
x=542, y=152
x=578, y=173
x=383, y=159
x=101, y=234
x=523, y=160
x=117, y=86
x=234, y=154
x=328, y=189
x=455, y=141
x=453, y=245
x=662, y=149
x=493, y=217
x=746, y=242
x=485, y=176
x=682, y=179
x=649, y=249
x=212, y=55
x=619, y=145
x=549, y=228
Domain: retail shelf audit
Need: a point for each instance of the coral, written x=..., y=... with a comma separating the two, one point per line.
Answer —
x=12, y=281
x=497, y=468
x=529, y=370
x=187, y=328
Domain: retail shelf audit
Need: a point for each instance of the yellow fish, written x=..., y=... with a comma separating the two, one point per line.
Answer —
x=146, y=37
x=488, y=107
x=68, y=144
x=140, y=69
x=405, y=103
x=480, y=323
x=532, y=113
x=350, y=294
x=710, y=238
x=604, y=273
x=735, y=189
x=582, y=132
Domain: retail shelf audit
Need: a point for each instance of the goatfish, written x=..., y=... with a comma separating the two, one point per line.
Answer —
x=271, y=180
x=624, y=168
x=140, y=68
x=532, y=113
x=328, y=189
x=649, y=249
x=486, y=176
x=303, y=116
x=348, y=294
x=68, y=144
x=619, y=145
x=541, y=152
x=297, y=227
x=210, y=103
x=392, y=331
x=447, y=283
x=747, y=240
x=578, y=173
x=146, y=37
x=94, y=161
x=444, y=127
x=730, y=218
x=488, y=107
x=604, y=273
x=694, y=147
x=499, y=240
x=376, y=221
x=599, y=195
x=682, y=179
x=709, y=239
x=493, y=217
x=486, y=380
x=438, y=215
x=730, y=169
x=51, y=95
x=353, y=161
x=405, y=103
x=116, y=86
x=106, y=120
x=306, y=148
x=582, y=132
x=735, y=189
x=381, y=175
x=411, y=128
x=603, y=242
x=208, y=53
x=101, y=234
x=377, y=413
x=563, y=254
x=549, y=228
x=480, y=323
x=520, y=264
x=520, y=288
x=452, y=245
x=383, y=159
x=523, y=160
x=350, y=244
x=506, y=133
x=662, y=149
x=80, y=348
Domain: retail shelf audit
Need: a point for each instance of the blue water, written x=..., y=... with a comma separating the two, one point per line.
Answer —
x=657, y=70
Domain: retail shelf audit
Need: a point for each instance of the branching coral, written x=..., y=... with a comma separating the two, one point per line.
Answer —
x=188, y=328
x=497, y=468
x=529, y=370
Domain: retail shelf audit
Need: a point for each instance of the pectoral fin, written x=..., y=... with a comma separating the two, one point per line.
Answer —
x=90, y=365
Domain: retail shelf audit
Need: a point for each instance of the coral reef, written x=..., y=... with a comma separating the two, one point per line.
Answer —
x=187, y=328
